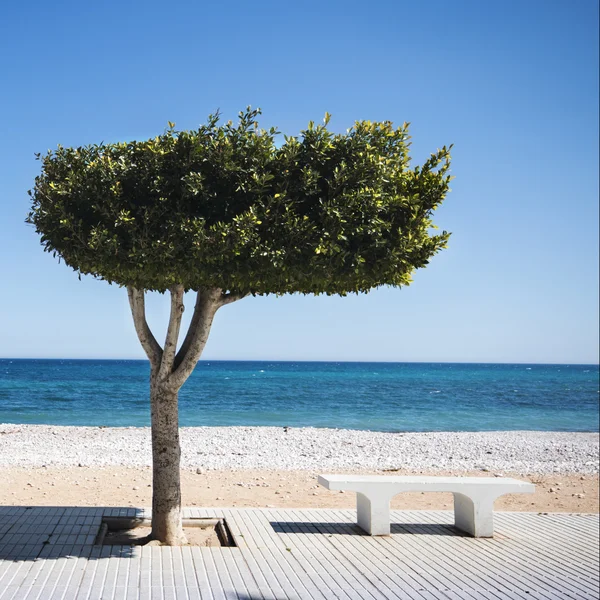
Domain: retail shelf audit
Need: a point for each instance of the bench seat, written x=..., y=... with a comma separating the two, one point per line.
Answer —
x=473, y=497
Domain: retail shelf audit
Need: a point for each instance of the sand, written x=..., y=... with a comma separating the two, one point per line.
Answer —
x=130, y=486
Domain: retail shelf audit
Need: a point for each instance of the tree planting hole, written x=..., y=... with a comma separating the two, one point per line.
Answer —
x=127, y=531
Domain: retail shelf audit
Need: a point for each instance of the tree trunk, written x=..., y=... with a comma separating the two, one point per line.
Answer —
x=169, y=371
x=166, y=454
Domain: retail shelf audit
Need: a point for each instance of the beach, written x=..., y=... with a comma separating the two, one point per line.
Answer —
x=277, y=467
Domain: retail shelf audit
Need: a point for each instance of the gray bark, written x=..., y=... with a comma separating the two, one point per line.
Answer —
x=168, y=355
x=169, y=371
x=207, y=304
x=166, y=453
x=138, y=310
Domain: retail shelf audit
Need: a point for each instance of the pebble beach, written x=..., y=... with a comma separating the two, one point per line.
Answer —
x=282, y=449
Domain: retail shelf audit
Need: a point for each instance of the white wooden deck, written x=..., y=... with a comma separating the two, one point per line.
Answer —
x=47, y=553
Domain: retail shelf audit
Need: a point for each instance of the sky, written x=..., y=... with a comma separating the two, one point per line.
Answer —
x=513, y=85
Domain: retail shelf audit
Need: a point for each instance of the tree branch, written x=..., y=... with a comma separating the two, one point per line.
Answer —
x=232, y=297
x=208, y=302
x=196, y=316
x=147, y=339
x=170, y=348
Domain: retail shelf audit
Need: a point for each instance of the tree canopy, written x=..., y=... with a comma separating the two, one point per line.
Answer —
x=225, y=206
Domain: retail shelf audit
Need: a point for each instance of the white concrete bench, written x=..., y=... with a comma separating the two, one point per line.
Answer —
x=473, y=498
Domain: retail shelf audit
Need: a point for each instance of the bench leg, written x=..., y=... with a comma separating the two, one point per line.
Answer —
x=474, y=516
x=373, y=514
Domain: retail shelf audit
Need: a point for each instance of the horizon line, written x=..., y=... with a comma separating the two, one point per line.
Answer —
x=265, y=360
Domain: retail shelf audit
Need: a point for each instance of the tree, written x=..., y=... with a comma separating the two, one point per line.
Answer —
x=226, y=212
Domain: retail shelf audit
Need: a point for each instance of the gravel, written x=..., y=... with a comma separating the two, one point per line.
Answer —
x=277, y=448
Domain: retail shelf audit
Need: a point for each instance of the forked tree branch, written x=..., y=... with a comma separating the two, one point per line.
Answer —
x=208, y=302
x=170, y=348
x=223, y=299
x=196, y=318
x=146, y=337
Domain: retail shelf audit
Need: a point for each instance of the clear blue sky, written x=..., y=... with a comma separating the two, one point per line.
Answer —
x=513, y=84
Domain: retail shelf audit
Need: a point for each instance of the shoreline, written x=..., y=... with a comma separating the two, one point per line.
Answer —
x=308, y=427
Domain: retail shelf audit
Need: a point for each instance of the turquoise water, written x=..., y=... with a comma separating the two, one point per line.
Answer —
x=375, y=396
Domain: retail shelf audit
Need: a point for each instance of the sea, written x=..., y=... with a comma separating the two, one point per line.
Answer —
x=344, y=395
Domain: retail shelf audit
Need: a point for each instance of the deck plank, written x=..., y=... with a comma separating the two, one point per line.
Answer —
x=526, y=565
x=366, y=552
x=508, y=564
x=304, y=554
x=465, y=557
x=315, y=568
x=276, y=557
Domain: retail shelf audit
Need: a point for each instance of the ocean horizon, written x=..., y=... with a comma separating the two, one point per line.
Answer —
x=377, y=396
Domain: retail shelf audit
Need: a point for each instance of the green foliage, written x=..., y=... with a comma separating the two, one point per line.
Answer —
x=225, y=206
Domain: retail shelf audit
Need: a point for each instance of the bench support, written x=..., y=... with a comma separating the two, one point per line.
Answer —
x=373, y=514
x=474, y=515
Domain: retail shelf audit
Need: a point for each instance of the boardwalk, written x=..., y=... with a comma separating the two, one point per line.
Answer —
x=47, y=553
